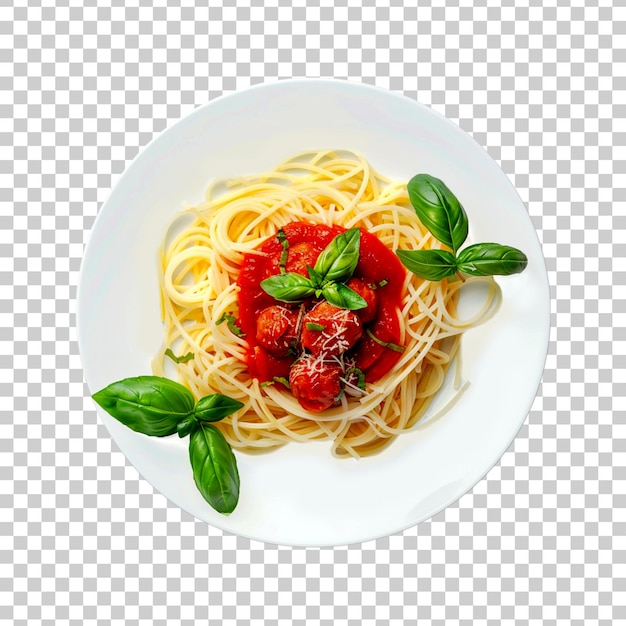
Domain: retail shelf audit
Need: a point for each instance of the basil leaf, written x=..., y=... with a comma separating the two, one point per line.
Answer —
x=429, y=264
x=179, y=359
x=316, y=278
x=215, y=407
x=342, y=296
x=151, y=405
x=186, y=426
x=488, y=259
x=214, y=468
x=439, y=210
x=290, y=287
x=339, y=258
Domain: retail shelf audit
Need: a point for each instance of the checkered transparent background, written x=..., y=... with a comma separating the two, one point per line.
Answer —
x=541, y=85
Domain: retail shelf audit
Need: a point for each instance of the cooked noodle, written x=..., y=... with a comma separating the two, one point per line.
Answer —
x=199, y=269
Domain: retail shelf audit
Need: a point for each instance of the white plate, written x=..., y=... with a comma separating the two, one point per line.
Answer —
x=300, y=495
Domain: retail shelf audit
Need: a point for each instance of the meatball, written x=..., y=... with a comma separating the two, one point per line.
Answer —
x=315, y=383
x=298, y=257
x=369, y=295
x=276, y=330
x=329, y=331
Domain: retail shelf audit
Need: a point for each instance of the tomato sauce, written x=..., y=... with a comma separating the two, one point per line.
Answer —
x=376, y=265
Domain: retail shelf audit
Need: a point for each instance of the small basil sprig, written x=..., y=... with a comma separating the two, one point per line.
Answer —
x=158, y=406
x=444, y=216
x=334, y=266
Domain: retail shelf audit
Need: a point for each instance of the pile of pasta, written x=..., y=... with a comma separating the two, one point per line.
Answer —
x=200, y=260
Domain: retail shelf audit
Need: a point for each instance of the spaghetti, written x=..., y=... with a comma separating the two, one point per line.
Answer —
x=201, y=259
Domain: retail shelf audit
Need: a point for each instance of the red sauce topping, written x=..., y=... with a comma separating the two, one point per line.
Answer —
x=285, y=340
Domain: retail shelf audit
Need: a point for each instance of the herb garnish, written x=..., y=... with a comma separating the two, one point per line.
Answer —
x=385, y=344
x=231, y=322
x=443, y=215
x=179, y=359
x=159, y=407
x=334, y=266
x=284, y=242
x=360, y=377
x=379, y=284
x=277, y=379
x=314, y=326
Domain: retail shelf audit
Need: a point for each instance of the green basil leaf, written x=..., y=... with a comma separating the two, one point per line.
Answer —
x=290, y=287
x=179, y=359
x=489, y=259
x=439, y=210
x=151, y=405
x=342, y=296
x=214, y=468
x=316, y=278
x=186, y=426
x=429, y=264
x=339, y=258
x=215, y=407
